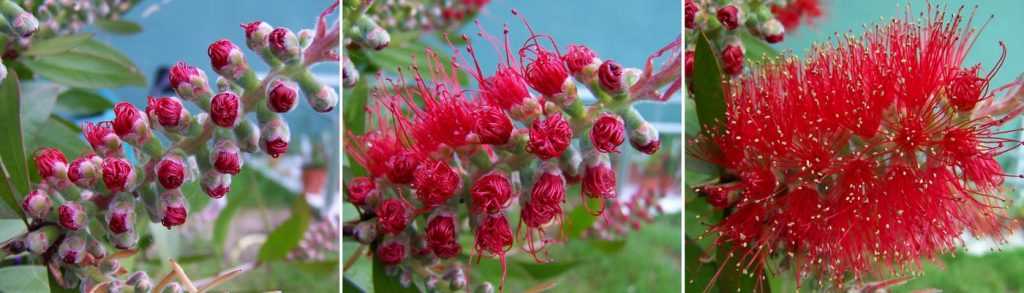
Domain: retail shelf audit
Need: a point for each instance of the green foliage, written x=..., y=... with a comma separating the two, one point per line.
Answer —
x=707, y=84
x=79, y=102
x=287, y=235
x=88, y=64
x=24, y=278
x=119, y=27
x=14, y=171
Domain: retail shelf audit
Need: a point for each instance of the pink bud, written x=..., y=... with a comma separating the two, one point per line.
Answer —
x=170, y=172
x=549, y=188
x=729, y=16
x=608, y=132
x=172, y=205
x=189, y=82
x=391, y=252
x=598, y=177
x=131, y=124
x=359, y=190
x=52, y=165
x=274, y=137
x=282, y=96
x=71, y=215
x=492, y=126
x=227, y=59
x=72, y=250
x=121, y=217
x=323, y=100
x=732, y=59
x=168, y=112
x=577, y=57
x=86, y=171
x=226, y=109
x=37, y=204
x=226, y=157
x=118, y=174
x=691, y=14
x=549, y=137
x=773, y=31
x=440, y=235
x=216, y=185
x=435, y=182
x=393, y=215
x=491, y=193
x=284, y=44
x=102, y=138
x=256, y=34
x=610, y=76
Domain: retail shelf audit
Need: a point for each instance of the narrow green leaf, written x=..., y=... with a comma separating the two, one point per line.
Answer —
x=350, y=286
x=384, y=283
x=580, y=220
x=58, y=133
x=120, y=27
x=698, y=273
x=707, y=85
x=287, y=235
x=23, y=278
x=547, y=270
x=37, y=101
x=355, y=107
x=56, y=45
x=92, y=64
x=12, y=148
x=79, y=102
x=756, y=49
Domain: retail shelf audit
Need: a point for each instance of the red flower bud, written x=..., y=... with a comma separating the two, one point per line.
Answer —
x=274, y=137
x=37, y=204
x=282, y=96
x=535, y=214
x=360, y=189
x=130, y=124
x=86, y=171
x=691, y=14
x=577, y=57
x=689, y=62
x=102, y=138
x=390, y=252
x=492, y=126
x=173, y=208
x=72, y=250
x=608, y=132
x=732, y=59
x=598, y=177
x=549, y=188
x=52, y=165
x=189, y=82
x=393, y=215
x=71, y=215
x=435, y=182
x=549, y=137
x=645, y=138
x=215, y=184
x=170, y=172
x=491, y=193
x=729, y=16
x=226, y=109
x=126, y=240
x=284, y=44
x=546, y=73
x=610, y=76
x=168, y=112
x=965, y=89
x=226, y=157
x=440, y=236
x=402, y=166
x=773, y=31
x=227, y=59
x=121, y=217
x=506, y=89
x=24, y=24
x=493, y=235
x=118, y=174
x=256, y=34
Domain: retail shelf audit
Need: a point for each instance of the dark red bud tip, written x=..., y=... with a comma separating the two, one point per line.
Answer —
x=608, y=132
x=226, y=109
x=391, y=253
x=610, y=76
x=729, y=16
x=732, y=59
x=170, y=172
x=359, y=190
x=282, y=97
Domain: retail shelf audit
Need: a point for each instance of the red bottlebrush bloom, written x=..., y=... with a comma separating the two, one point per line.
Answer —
x=226, y=109
x=118, y=174
x=446, y=118
x=37, y=204
x=391, y=252
x=494, y=237
x=121, y=217
x=401, y=167
x=359, y=190
x=189, y=82
x=226, y=157
x=797, y=11
x=610, y=76
x=599, y=178
x=51, y=164
x=549, y=137
x=608, y=132
x=170, y=172
x=577, y=57
x=492, y=126
x=491, y=193
x=227, y=59
x=549, y=188
x=282, y=96
x=72, y=250
x=102, y=138
x=506, y=89
x=393, y=215
x=691, y=14
x=546, y=73
x=729, y=16
x=440, y=236
x=130, y=124
x=732, y=59
x=71, y=215
x=168, y=112
x=274, y=137
x=845, y=181
x=435, y=182
x=85, y=171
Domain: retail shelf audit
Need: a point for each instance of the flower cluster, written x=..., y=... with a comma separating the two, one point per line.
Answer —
x=129, y=167
x=724, y=22
x=518, y=143
x=68, y=17
x=873, y=152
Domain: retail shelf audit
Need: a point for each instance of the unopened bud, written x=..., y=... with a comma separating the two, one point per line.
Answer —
x=216, y=184
x=486, y=287
x=226, y=157
x=772, y=31
x=37, y=204
x=248, y=136
x=366, y=232
x=610, y=76
x=39, y=241
x=284, y=44
x=349, y=74
x=131, y=124
x=645, y=138
x=189, y=82
x=226, y=109
x=71, y=215
x=170, y=172
x=256, y=34
x=72, y=250
x=169, y=113
x=120, y=217
x=140, y=280
x=52, y=166
x=371, y=35
x=227, y=59
x=86, y=171
x=729, y=16
x=274, y=137
x=175, y=211
x=118, y=174
x=282, y=96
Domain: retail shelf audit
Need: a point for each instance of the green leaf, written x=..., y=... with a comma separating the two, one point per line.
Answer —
x=79, y=102
x=56, y=45
x=23, y=278
x=56, y=132
x=580, y=220
x=355, y=107
x=90, y=65
x=407, y=48
x=384, y=283
x=120, y=27
x=608, y=246
x=546, y=271
x=37, y=101
x=287, y=235
x=707, y=85
x=12, y=148
x=10, y=228
x=350, y=286
x=756, y=49
x=698, y=274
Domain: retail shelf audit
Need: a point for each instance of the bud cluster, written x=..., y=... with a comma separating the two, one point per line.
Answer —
x=517, y=145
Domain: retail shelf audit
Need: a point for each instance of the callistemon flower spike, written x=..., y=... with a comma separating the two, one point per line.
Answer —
x=507, y=88
x=846, y=182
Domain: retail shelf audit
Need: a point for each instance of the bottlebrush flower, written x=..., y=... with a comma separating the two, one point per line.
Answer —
x=170, y=172
x=274, y=137
x=118, y=174
x=226, y=157
x=72, y=249
x=732, y=58
x=71, y=215
x=491, y=193
x=391, y=252
x=189, y=82
x=284, y=44
x=608, y=132
x=845, y=181
x=226, y=109
x=549, y=188
x=102, y=138
x=51, y=165
x=257, y=34
x=494, y=237
x=440, y=235
x=120, y=217
x=729, y=16
x=227, y=59
x=282, y=96
x=545, y=73
x=173, y=208
x=393, y=215
x=610, y=76
x=492, y=126
x=578, y=57
x=86, y=171
x=168, y=112
x=37, y=204
x=131, y=124
x=797, y=11
x=435, y=182
x=549, y=137
x=359, y=190
x=215, y=184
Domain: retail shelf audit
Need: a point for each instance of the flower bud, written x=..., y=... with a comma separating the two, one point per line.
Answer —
x=610, y=76
x=435, y=182
x=52, y=165
x=306, y=36
x=226, y=109
x=598, y=177
x=366, y=232
x=189, y=82
x=131, y=124
x=729, y=16
x=86, y=171
x=127, y=240
x=393, y=215
x=485, y=287
x=227, y=59
x=493, y=235
x=391, y=252
x=173, y=287
x=578, y=57
x=72, y=250
x=226, y=157
x=359, y=190
x=645, y=138
x=257, y=34
x=536, y=214
x=118, y=174
x=39, y=241
x=457, y=278
x=549, y=188
x=547, y=74
x=216, y=184
x=349, y=74
x=691, y=14
x=120, y=217
x=274, y=137
x=371, y=35
x=25, y=24
x=689, y=62
x=608, y=132
x=284, y=44
x=71, y=215
x=441, y=234
x=140, y=281
x=549, y=137
x=401, y=167
x=102, y=138
x=172, y=204
x=732, y=58
x=965, y=89
x=323, y=100
x=282, y=96
x=772, y=30
x=491, y=193
x=170, y=171
x=96, y=248
x=492, y=126
x=37, y=204
x=506, y=89
x=168, y=112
